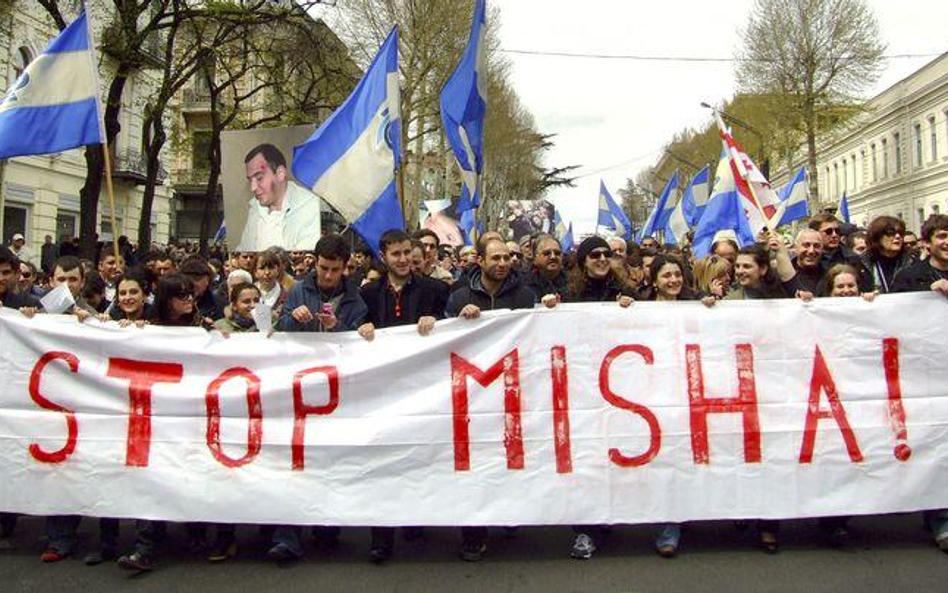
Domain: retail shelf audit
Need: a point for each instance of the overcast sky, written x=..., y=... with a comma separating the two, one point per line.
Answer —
x=612, y=112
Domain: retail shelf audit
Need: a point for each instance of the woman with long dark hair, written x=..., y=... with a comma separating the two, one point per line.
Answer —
x=886, y=255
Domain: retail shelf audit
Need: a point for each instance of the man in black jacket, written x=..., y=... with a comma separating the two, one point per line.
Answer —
x=931, y=274
x=547, y=276
x=396, y=299
x=494, y=287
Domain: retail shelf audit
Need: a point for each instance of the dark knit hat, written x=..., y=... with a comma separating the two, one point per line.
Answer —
x=588, y=244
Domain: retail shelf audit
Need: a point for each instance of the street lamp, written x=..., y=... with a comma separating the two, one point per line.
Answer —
x=764, y=162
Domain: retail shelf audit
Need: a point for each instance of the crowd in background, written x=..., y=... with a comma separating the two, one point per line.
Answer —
x=414, y=280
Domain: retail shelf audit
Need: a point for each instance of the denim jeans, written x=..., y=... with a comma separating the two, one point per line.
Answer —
x=61, y=532
x=938, y=521
x=668, y=535
x=289, y=536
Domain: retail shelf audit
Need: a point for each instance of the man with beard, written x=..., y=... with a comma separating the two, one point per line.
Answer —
x=547, y=279
x=494, y=287
x=400, y=298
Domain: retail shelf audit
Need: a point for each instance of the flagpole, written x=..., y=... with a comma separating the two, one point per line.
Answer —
x=108, y=186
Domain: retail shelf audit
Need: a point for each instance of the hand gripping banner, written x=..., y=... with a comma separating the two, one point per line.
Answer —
x=582, y=414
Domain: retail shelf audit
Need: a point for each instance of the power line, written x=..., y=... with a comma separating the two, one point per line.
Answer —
x=656, y=58
x=618, y=165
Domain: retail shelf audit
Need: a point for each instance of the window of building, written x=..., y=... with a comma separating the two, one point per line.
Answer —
x=862, y=166
x=67, y=225
x=845, y=175
x=919, y=159
x=15, y=217
x=936, y=209
x=897, y=140
x=21, y=60
x=835, y=180
x=934, y=137
x=921, y=217
x=875, y=164
x=200, y=145
x=885, y=158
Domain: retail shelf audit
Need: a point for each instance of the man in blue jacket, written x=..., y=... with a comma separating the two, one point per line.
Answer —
x=321, y=301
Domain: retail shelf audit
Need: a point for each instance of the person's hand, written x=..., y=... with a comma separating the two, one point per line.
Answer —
x=775, y=241
x=425, y=325
x=81, y=314
x=871, y=296
x=624, y=301
x=104, y=318
x=709, y=301
x=302, y=314
x=717, y=287
x=367, y=331
x=29, y=312
x=550, y=300
x=224, y=332
x=270, y=333
x=328, y=320
x=804, y=295
x=470, y=312
x=941, y=287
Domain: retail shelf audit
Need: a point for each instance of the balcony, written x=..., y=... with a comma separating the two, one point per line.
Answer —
x=195, y=101
x=191, y=180
x=150, y=52
x=133, y=166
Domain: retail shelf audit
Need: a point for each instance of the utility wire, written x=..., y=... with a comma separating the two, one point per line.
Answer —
x=686, y=59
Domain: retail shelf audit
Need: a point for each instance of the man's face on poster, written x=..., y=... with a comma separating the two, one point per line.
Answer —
x=268, y=186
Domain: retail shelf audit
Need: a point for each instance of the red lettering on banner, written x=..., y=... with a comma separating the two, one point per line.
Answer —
x=72, y=425
x=302, y=410
x=745, y=403
x=822, y=381
x=890, y=360
x=509, y=367
x=142, y=377
x=559, y=373
x=655, y=431
x=254, y=415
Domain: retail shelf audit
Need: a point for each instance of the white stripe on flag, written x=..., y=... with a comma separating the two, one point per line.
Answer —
x=53, y=79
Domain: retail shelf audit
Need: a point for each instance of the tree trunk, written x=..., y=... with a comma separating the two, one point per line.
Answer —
x=153, y=151
x=210, y=193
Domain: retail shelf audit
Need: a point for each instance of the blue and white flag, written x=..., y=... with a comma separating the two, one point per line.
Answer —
x=686, y=213
x=54, y=105
x=657, y=219
x=221, y=233
x=794, y=199
x=564, y=233
x=725, y=216
x=611, y=215
x=463, y=106
x=844, y=209
x=468, y=224
x=350, y=160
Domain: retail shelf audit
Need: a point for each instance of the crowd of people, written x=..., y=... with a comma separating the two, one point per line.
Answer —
x=412, y=280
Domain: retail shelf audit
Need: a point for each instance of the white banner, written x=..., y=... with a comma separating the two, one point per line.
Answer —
x=583, y=414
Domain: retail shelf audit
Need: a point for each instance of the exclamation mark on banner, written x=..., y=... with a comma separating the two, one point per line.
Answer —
x=890, y=359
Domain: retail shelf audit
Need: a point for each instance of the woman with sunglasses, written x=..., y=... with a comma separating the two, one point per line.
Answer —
x=886, y=255
x=594, y=279
x=174, y=307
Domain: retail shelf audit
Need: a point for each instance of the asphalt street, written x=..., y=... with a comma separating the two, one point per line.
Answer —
x=892, y=553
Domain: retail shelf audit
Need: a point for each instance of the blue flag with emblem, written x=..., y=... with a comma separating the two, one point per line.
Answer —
x=656, y=220
x=564, y=233
x=54, y=104
x=611, y=215
x=350, y=160
x=463, y=107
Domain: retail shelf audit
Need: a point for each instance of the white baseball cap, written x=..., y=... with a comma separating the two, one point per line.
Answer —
x=19, y=237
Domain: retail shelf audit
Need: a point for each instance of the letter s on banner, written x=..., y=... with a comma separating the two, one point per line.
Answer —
x=254, y=414
x=72, y=426
x=654, y=429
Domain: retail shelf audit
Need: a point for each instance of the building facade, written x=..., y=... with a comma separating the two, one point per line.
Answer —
x=40, y=194
x=893, y=159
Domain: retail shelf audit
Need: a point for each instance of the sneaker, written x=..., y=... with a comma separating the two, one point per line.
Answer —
x=101, y=555
x=281, y=553
x=583, y=547
x=473, y=551
x=53, y=555
x=137, y=560
x=223, y=549
x=380, y=554
x=667, y=550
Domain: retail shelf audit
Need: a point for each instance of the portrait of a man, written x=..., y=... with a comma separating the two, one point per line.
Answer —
x=280, y=211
